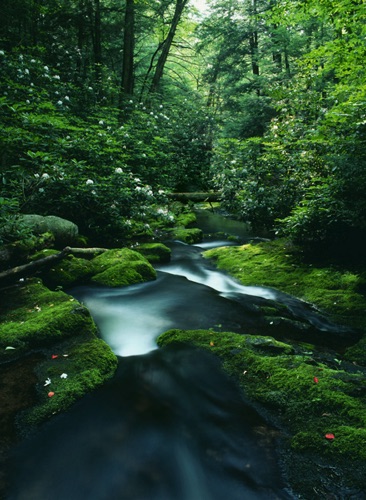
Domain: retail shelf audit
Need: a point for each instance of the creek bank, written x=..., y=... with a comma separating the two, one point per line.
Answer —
x=308, y=395
x=335, y=291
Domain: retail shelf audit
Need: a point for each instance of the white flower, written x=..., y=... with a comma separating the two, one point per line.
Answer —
x=136, y=179
x=41, y=190
x=119, y=170
x=26, y=71
x=59, y=103
x=47, y=382
x=46, y=68
x=101, y=122
x=67, y=98
x=45, y=176
x=89, y=182
x=56, y=77
x=63, y=375
x=94, y=192
x=2, y=53
x=36, y=176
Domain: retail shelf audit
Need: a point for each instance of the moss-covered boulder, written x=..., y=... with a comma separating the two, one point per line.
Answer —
x=189, y=236
x=62, y=333
x=318, y=399
x=64, y=231
x=155, y=252
x=68, y=272
x=122, y=267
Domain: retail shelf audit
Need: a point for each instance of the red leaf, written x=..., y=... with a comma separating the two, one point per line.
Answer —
x=54, y=356
x=50, y=394
x=329, y=436
x=316, y=380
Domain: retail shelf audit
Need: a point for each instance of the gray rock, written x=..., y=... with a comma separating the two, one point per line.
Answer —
x=64, y=231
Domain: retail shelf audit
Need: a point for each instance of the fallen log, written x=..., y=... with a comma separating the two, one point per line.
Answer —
x=198, y=196
x=35, y=265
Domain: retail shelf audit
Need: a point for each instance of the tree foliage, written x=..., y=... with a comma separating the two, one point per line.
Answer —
x=105, y=104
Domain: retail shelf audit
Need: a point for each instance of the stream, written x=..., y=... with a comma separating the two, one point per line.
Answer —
x=170, y=425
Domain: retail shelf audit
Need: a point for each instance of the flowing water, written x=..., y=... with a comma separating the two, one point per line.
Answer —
x=170, y=425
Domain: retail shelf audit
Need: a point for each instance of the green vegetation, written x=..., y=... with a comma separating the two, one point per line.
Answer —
x=122, y=267
x=35, y=319
x=336, y=290
x=154, y=252
x=308, y=393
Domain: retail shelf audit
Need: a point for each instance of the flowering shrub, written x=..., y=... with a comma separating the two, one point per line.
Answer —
x=81, y=163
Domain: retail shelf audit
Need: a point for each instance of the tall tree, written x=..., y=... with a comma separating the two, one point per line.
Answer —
x=166, y=45
x=127, y=81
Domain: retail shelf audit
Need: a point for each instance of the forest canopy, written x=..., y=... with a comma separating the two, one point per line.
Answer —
x=107, y=106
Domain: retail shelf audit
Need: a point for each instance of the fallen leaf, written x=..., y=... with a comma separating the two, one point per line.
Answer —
x=212, y=344
x=329, y=436
x=51, y=394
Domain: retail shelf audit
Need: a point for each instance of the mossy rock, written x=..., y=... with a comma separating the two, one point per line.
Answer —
x=189, y=236
x=81, y=366
x=35, y=319
x=154, y=252
x=64, y=231
x=185, y=219
x=32, y=317
x=305, y=392
x=122, y=267
x=70, y=271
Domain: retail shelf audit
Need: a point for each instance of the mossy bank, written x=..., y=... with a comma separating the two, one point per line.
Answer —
x=317, y=400
x=336, y=291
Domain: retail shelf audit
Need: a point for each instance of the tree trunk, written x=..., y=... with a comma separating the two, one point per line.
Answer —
x=127, y=82
x=166, y=45
x=97, y=41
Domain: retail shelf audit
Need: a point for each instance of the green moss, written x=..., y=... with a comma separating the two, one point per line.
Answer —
x=69, y=272
x=185, y=219
x=87, y=365
x=154, y=252
x=34, y=317
x=189, y=236
x=277, y=265
x=122, y=267
x=348, y=442
x=309, y=393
